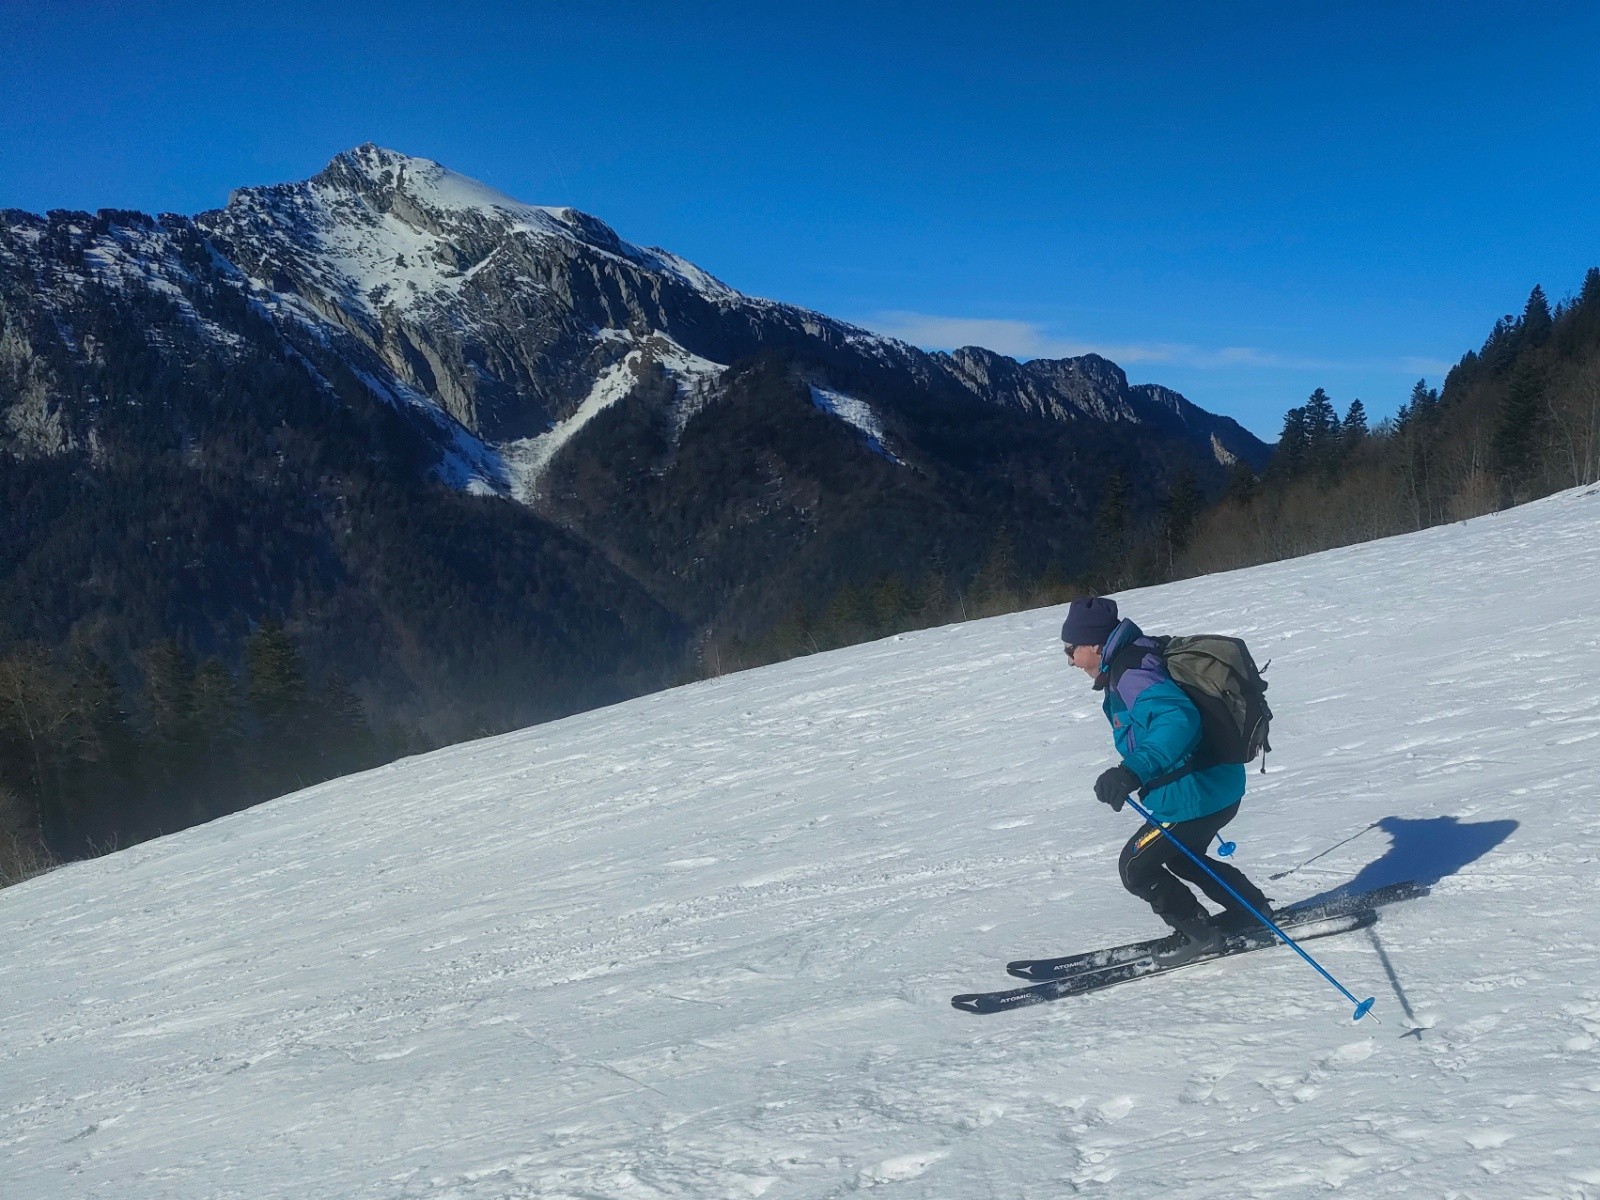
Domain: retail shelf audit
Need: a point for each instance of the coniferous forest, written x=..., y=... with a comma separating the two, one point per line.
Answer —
x=1515, y=420
x=97, y=754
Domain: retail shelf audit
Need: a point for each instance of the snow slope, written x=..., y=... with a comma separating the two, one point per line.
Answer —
x=702, y=944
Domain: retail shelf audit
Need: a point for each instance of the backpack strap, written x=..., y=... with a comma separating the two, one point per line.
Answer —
x=1188, y=767
x=1125, y=660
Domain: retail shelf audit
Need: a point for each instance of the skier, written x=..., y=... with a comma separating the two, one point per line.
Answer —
x=1156, y=729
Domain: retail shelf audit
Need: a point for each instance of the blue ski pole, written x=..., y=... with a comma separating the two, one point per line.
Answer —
x=1225, y=849
x=1363, y=1007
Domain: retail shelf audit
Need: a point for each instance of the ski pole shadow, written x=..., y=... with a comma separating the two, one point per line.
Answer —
x=1414, y=1025
x=1426, y=849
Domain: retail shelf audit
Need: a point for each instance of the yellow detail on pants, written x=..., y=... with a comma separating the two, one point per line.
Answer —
x=1146, y=840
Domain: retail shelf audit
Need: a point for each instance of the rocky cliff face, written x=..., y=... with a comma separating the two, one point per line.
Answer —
x=506, y=314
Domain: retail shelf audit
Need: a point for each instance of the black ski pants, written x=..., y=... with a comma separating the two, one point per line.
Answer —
x=1155, y=870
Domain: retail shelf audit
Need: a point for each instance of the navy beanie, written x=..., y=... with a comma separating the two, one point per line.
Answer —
x=1089, y=621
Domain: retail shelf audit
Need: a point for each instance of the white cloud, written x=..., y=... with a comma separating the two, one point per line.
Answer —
x=1030, y=339
x=1249, y=356
x=1019, y=339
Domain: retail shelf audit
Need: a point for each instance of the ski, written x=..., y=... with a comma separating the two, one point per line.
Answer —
x=1094, y=979
x=1040, y=970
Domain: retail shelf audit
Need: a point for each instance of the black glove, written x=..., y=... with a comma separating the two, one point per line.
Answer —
x=1114, y=787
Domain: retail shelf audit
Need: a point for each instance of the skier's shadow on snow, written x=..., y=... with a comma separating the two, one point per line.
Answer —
x=1426, y=850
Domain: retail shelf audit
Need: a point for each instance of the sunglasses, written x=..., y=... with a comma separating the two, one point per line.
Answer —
x=1071, y=649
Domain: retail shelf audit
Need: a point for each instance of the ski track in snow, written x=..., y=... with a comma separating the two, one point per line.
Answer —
x=702, y=944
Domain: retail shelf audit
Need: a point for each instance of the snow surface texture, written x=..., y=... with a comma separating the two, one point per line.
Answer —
x=702, y=944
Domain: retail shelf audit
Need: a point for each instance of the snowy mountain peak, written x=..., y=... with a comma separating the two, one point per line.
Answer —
x=424, y=192
x=387, y=176
x=388, y=230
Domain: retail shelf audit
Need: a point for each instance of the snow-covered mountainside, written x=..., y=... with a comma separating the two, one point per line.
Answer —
x=507, y=313
x=701, y=944
x=506, y=318
x=511, y=314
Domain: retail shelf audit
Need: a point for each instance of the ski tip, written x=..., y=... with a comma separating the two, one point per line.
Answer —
x=1364, y=1008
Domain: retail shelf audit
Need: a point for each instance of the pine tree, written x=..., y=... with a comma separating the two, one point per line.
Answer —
x=168, y=703
x=277, y=685
x=1414, y=451
x=276, y=690
x=891, y=604
x=1589, y=296
x=847, y=619
x=1517, y=429
x=993, y=589
x=1536, y=320
x=216, y=787
x=38, y=731
x=1425, y=402
x=1419, y=410
x=1179, y=513
x=168, y=696
x=1516, y=433
x=1243, y=484
x=343, y=731
x=1584, y=315
x=1321, y=421
x=1353, y=429
x=1292, y=455
x=1501, y=347
x=1323, y=443
x=1112, y=519
x=100, y=786
x=933, y=601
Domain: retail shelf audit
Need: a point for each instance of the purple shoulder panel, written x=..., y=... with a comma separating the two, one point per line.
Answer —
x=1151, y=670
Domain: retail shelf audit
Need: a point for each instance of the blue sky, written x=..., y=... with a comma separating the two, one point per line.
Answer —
x=1241, y=201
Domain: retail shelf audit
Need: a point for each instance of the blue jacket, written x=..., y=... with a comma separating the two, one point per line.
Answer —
x=1156, y=728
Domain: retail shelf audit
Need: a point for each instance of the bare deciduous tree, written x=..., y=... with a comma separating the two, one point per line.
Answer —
x=1574, y=412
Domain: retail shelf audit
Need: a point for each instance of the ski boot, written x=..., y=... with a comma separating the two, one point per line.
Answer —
x=1200, y=937
x=1240, y=920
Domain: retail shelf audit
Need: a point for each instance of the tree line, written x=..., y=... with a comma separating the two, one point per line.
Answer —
x=1515, y=420
x=87, y=765
x=1138, y=537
